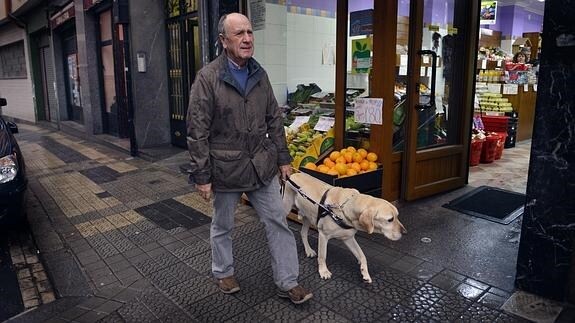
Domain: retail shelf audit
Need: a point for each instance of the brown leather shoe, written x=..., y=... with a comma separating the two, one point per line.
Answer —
x=228, y=285
x=297, y=295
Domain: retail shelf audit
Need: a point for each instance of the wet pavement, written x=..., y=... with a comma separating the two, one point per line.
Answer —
x=127, y=240
x=11, y=303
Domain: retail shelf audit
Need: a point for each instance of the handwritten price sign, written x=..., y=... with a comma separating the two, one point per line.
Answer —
x=368, y=110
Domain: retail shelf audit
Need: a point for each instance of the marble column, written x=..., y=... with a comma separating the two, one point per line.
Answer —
x=546, y=260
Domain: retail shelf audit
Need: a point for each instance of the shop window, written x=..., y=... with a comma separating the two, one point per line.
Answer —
x=13, y=61
x=296, y=46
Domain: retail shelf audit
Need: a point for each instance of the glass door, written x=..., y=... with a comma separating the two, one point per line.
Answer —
x=183, y=62
x=439, y=88
x=73, y=90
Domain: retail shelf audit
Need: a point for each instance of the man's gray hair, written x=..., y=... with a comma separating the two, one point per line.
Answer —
x=221, y=29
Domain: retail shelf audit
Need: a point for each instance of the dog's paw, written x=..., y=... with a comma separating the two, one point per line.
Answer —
x=325, y=274
x=365, y=274
x=310, y=253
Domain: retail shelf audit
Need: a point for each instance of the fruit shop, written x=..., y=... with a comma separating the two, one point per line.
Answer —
x=375, y=99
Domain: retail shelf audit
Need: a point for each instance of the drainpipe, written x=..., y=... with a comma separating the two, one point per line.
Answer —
x=122, y=17
x=204, y=24
x=129, y=94
x=17, y=21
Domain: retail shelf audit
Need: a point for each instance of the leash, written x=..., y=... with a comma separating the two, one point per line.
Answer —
x=322, y=210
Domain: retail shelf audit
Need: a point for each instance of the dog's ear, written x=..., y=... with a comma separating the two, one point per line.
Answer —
x=366, y=219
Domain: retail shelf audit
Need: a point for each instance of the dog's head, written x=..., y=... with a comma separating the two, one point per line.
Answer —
x=380, y=216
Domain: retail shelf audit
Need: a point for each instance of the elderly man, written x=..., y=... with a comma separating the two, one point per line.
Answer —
x=237, y=145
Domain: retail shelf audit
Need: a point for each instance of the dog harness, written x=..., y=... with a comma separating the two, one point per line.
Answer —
x=322, y=209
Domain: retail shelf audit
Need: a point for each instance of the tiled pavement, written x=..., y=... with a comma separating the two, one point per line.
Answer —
x=127, y=240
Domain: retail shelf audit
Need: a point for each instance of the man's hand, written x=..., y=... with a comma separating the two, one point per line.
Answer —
x=205, y=190
x=285, y=172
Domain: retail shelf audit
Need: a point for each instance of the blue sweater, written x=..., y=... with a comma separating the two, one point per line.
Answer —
x=239, y=74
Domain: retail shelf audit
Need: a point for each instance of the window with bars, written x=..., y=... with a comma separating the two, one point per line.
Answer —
x=13, y=61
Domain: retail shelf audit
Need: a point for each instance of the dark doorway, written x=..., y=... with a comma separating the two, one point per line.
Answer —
x=114, y=104
x=73, y=90
x=183, y=63
x=43, y=76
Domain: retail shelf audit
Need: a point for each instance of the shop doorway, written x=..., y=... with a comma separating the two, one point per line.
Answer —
x=506, y=89
x=114, y=102
x=43, y=70
x=183, y=62
x=72, y=79
x=438, y=100
x=423, y=135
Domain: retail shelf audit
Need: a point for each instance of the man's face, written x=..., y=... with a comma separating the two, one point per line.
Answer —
x=238, y=39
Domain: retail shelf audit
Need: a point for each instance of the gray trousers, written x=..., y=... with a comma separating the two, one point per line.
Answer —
x=267, y=202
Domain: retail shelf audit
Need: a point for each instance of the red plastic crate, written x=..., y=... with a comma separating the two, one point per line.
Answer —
x=495, y=123
x=475, y=153
x=500, y=145
x=489, y=147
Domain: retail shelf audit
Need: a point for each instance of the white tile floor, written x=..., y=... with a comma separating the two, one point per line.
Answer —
x=509, y=172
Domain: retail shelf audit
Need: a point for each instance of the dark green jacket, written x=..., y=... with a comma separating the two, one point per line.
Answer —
x=236, y=140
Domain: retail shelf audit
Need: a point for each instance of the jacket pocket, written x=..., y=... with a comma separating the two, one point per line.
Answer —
x=226, y=155
x=267, y=160
x=229, y=168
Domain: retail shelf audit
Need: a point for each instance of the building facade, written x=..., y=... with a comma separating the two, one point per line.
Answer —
x=102, y=67
x=124, y=68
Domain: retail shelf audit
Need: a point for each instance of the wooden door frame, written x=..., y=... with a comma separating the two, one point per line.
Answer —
x=381, y=84
x=458, y=150
x=382, y=80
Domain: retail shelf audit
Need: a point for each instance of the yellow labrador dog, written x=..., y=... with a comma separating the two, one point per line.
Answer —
x=353, y=210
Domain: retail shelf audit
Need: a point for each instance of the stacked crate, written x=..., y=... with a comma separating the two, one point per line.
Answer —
x=512, y=121
x=507, y=124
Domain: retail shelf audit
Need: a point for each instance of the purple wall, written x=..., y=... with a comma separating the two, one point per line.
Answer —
x=532, y=22
x=438, y=12
x=354, y=5
x=515, y=20
x=403, y=8
x=329, y=5
x=511, y=20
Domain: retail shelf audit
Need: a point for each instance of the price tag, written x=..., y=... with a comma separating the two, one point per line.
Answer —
x=498, y=63
x=525, y=87
x=369, y=110
x=510, y=88
x=483, y=64
x=298, y=121
x=403, y=70
x=325, y=123
x=425, y=59
x=493, y=88
x=402, y=60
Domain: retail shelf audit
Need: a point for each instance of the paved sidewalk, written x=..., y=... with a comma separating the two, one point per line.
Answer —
x=126, y=240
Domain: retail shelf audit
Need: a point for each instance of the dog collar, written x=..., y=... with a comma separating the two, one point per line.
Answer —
x=324, y=210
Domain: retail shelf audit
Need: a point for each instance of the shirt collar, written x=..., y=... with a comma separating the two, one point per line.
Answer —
x=235, y=66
